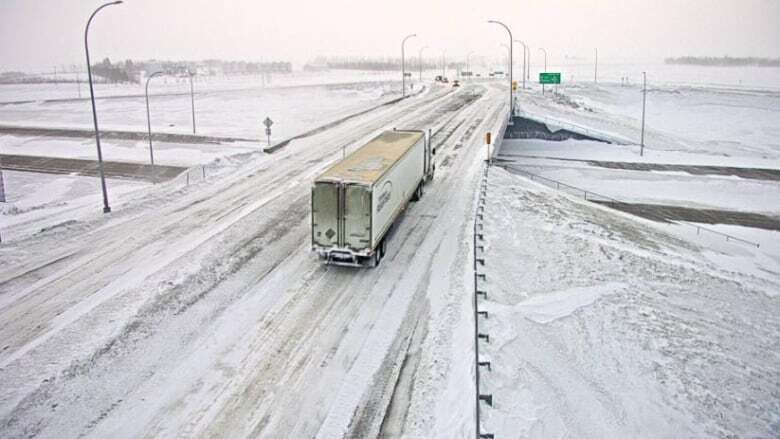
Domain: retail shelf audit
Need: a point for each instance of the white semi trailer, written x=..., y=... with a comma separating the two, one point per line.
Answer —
x=355, y=202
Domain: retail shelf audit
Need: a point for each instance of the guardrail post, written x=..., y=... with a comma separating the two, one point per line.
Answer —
x=479, y=260
x=488, y=398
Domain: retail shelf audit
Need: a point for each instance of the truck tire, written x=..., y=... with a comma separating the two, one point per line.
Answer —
x=418, y=193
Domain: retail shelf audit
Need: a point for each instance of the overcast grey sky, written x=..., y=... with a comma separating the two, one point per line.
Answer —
x=42, y=33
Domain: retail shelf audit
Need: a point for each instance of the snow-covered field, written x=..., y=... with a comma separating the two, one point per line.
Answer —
x=231, y=113
x=659, y=187
x=32, y=197
x=745, y=78
x=731, y=123
x=165, y=153
x=168, y=84
x=300, y=103
x=685, y=125
x=605, y=326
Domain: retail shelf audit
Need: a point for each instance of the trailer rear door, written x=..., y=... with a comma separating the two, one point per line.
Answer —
x=357, y=217
x=325, y=214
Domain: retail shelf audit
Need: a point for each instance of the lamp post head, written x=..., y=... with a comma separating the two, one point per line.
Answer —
x=117, y=2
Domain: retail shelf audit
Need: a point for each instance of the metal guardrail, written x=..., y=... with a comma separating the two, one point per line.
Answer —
x=479, y=275
x=594, y=196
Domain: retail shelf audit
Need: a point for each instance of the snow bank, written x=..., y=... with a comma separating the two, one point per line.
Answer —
x=605, y=326
x=559, y=304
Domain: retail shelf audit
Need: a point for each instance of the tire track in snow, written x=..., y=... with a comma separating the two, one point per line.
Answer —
x=200, y=215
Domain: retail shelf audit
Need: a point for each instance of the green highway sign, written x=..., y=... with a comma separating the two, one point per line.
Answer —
x=549, y=78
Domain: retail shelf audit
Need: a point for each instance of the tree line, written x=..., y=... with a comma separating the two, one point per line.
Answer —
x=374, y=64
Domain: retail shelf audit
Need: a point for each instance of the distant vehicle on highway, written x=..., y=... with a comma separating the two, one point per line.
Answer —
x=456, y=83
x=440, y=78
x=356, y=202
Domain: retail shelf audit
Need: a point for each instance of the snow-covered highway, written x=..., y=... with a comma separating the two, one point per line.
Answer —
x=200, y=311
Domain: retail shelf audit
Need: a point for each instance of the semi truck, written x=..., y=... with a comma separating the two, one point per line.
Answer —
x=355, y=202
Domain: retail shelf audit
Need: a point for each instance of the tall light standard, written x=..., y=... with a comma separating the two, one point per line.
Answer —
x=644, y=98
x=420, y=58
x=468, y=63
x=192, y=99
x=545, y=65
x=148, y=118
x=403, y=65
x=511, y=106
x=508, y=58
x=596, y=68
x=524, y=50
x=106, y=207
x=443, y=63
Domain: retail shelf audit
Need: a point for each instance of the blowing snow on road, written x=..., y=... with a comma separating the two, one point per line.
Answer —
x=396, y=220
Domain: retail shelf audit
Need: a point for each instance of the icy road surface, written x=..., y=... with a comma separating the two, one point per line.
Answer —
x=200, y=311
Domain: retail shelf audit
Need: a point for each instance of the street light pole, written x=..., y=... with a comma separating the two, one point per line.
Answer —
x=596, y=68
x=192, y=99
x=524, y=50
x=443, y=64
x=468, y=63
x=644, y=99
x=148, y=118
x=106, y=207
x=511, y=105
x=545, y=64
x=403, y=65
x=420, y=58
x=508, y=57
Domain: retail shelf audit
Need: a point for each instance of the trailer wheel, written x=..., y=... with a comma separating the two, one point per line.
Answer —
x=418, y=193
